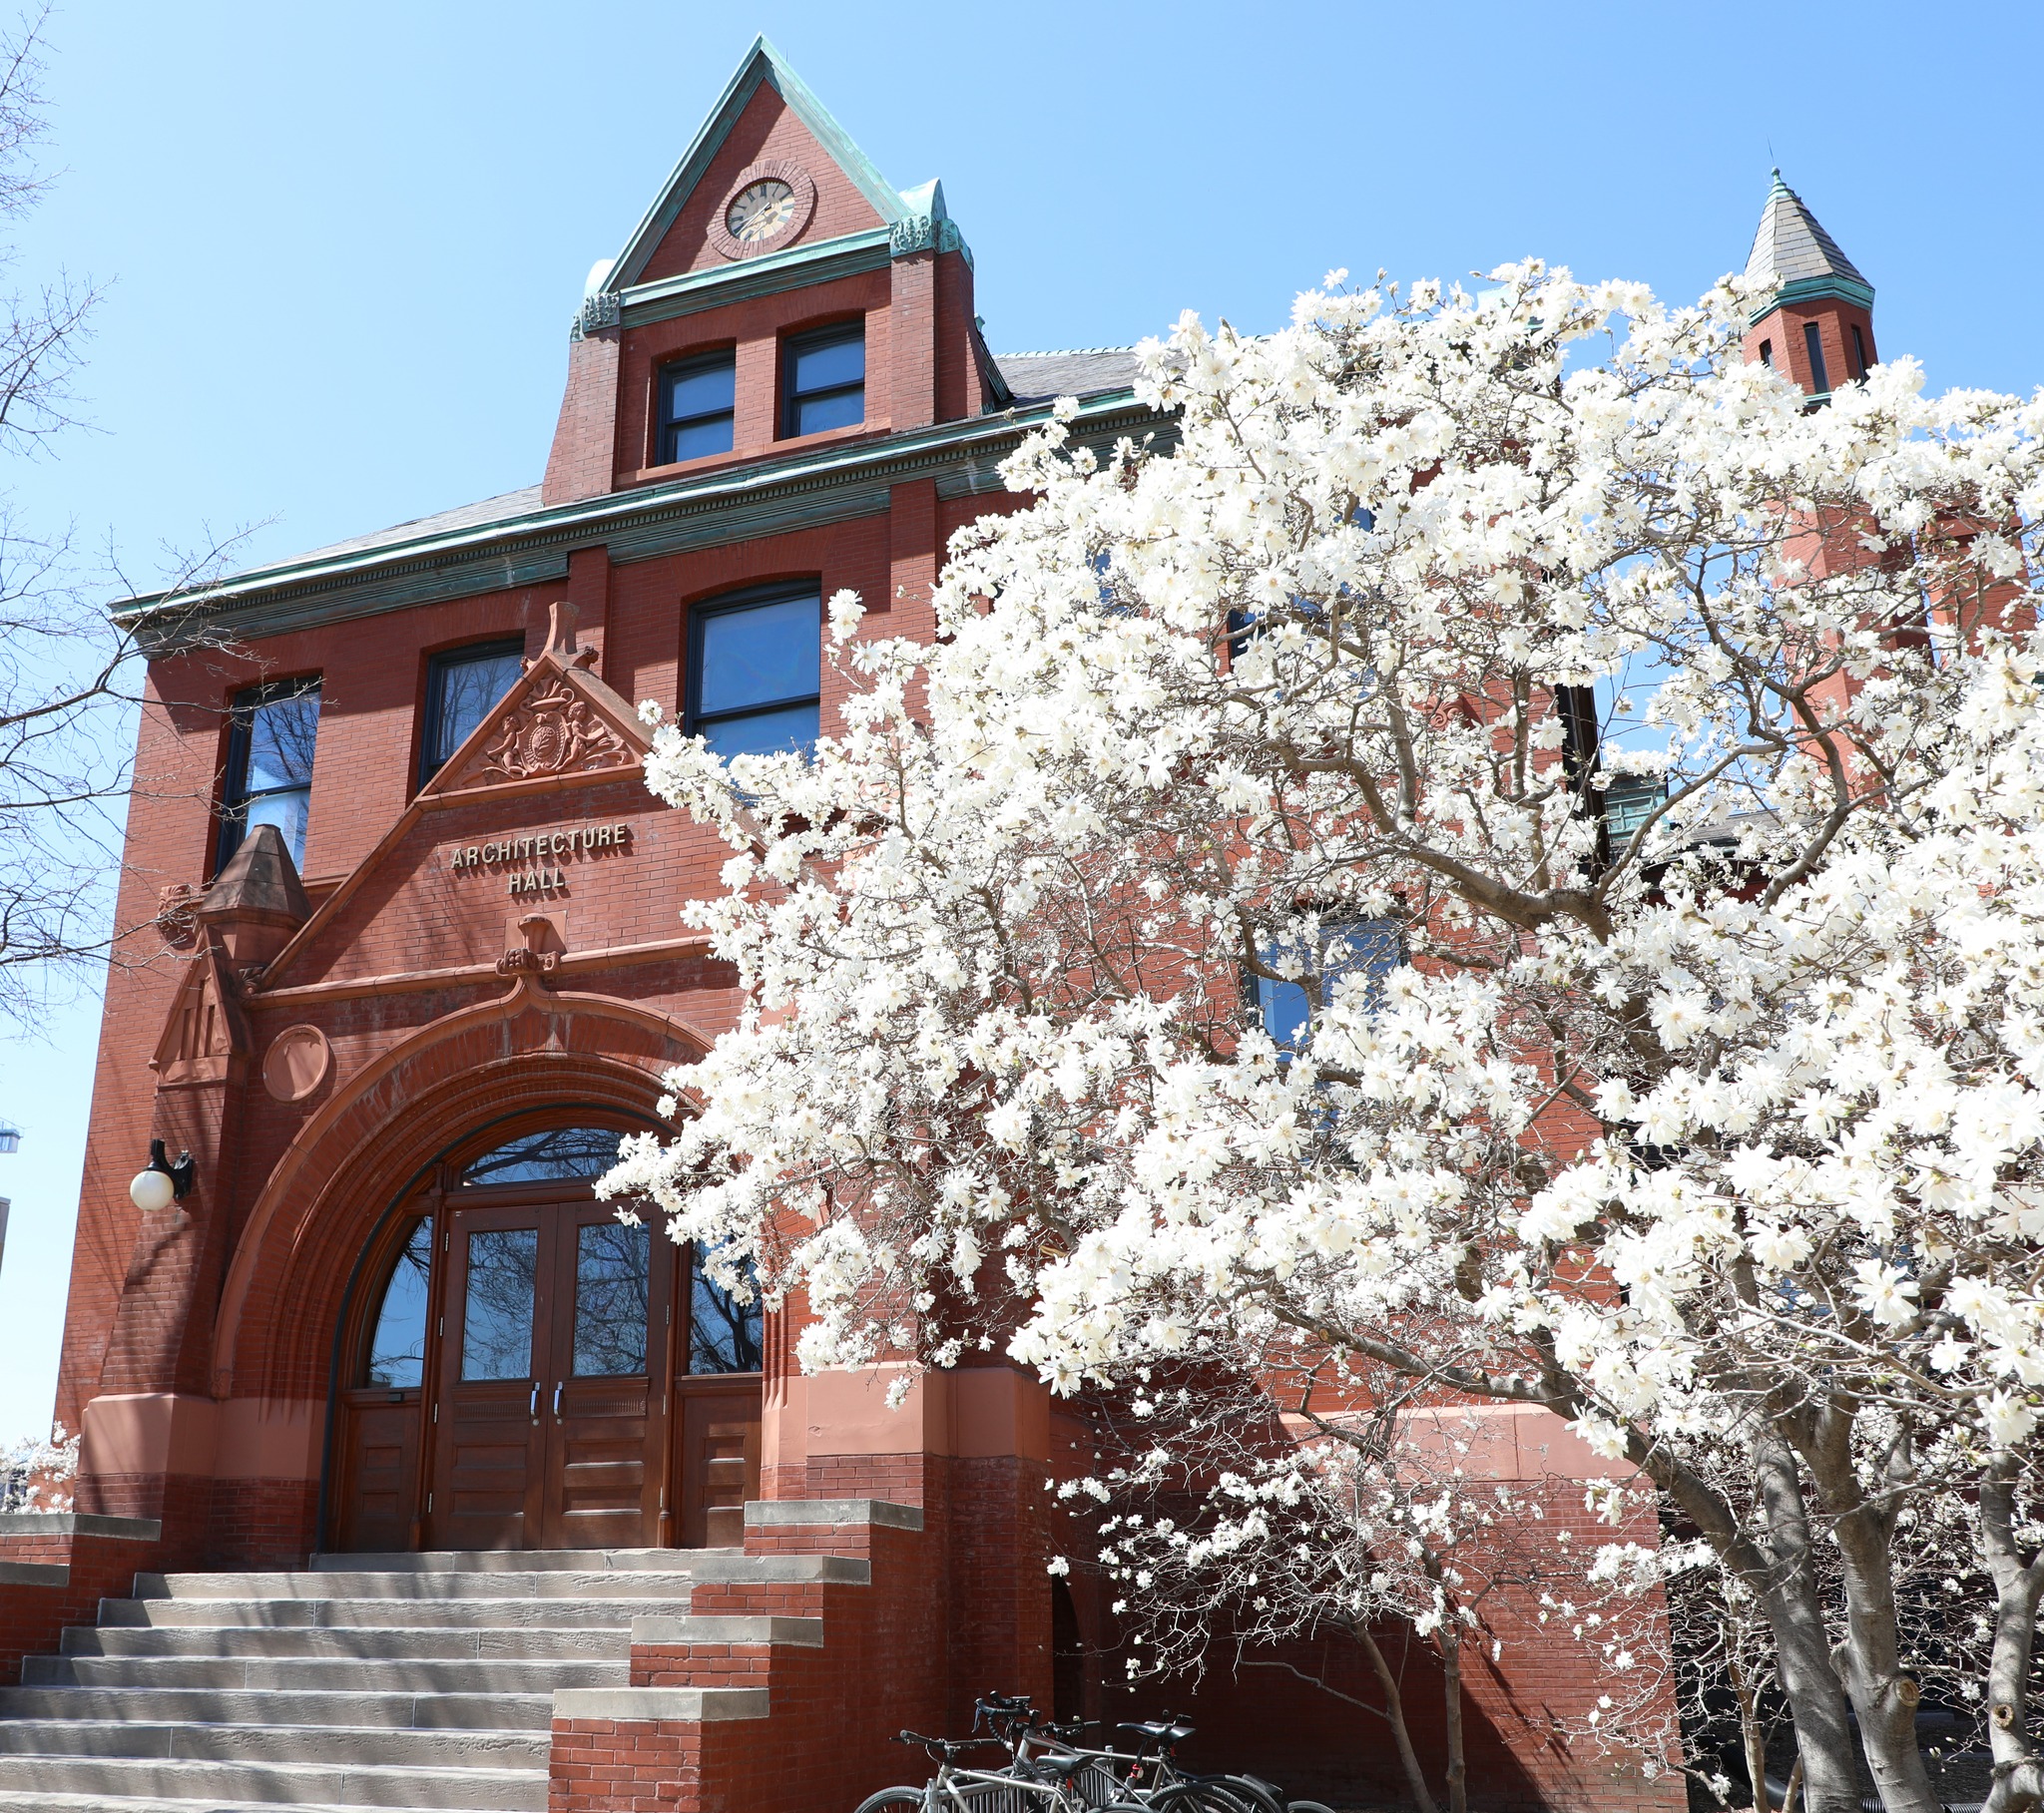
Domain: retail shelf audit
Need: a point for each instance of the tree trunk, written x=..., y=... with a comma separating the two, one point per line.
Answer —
x=1750, y=1737
x=1803, y=1650
x=1394, y=1708
x=1451, y=1686
x=2018, y=1585
x=1871, y=1662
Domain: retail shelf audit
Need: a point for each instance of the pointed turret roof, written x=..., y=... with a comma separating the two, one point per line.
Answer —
x=1795, y=259
x=259, y=881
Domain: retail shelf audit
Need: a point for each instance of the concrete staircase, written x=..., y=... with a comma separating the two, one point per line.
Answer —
x=390, y=1680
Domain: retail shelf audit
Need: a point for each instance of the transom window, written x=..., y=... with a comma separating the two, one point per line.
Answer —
x=462, y=686
x=756, y=672
x=697, y=403
x=825, y=377
x=269, y=765
x=559, y=1153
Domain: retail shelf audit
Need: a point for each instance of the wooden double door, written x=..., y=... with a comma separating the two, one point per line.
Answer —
x=566, y=1399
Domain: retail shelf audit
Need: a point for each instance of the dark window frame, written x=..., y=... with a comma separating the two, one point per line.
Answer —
x=438, y=668
x=1858, y=352
x=724, y=603
x=235, y=793
x=671, y=424
x=1813, y=350
x=811, y=340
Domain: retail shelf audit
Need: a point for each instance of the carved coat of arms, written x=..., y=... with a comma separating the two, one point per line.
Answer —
x=554, y=732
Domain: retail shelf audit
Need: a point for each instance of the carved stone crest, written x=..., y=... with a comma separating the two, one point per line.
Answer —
x=555, y=731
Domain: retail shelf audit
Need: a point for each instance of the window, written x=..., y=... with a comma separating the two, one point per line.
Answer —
x=756, y=672
x=1629, y=801
x=696, y=397
x=1768, y=354
x=826, y=375
x=560, y=1153
x=1369, y=948
x=269, y=765
x=723, y=1327
x=1858, y=352
x=397, y=1349
x=1813, y=343
x=460, y=690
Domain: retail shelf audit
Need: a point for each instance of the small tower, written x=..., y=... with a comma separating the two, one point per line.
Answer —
x=1813, y=319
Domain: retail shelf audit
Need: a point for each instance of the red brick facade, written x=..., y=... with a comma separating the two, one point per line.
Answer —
x=210, y=1346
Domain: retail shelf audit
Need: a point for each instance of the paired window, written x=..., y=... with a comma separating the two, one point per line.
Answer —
x=1367, y=948
x=825, y=375
x=756, y=672
x=462, y=686
x=269, y=765
x=697, y=398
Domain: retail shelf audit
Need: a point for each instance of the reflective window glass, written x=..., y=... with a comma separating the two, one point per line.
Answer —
x=611, y=1269
x=723, y=1327
x=461, y=688
x=1371, y=948
x=496, y=1319
x=826, y=379
x=397, y=1348
x=571, y=1153
x=696, y=407
x=756, y=676
x=269, y=765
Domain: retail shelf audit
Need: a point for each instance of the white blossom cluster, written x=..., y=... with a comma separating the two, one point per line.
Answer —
x=1724, y=1121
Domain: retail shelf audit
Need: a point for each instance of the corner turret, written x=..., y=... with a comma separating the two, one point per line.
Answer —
x=1812, y=317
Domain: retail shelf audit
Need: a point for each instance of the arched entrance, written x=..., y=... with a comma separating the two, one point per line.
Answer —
x=526, y=1371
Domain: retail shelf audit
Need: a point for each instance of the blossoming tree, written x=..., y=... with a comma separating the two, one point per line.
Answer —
x=1221, y=935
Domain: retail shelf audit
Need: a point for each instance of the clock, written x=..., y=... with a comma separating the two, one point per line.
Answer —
x=760, y=210
x=766, y=207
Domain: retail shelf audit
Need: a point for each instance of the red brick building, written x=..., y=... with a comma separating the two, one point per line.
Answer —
x=417, y=964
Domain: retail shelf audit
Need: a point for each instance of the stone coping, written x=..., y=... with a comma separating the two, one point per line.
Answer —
x=81, y=1523
x=804, y=1632
x=34, y=1573
x=782, y=1514
x=688, y=1704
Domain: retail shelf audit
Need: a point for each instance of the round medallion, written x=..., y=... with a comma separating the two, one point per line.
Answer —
x=764, y=209
x=296, y=1063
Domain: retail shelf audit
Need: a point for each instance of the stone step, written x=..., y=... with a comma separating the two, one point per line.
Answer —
x=406, y=1586
x=197, y=1741
x=388, y=1642
x=517, y=1561
x=277, y=1784
x=530, y=1711
x=527, y=1581
x=379, y=1613
x=310, y=1673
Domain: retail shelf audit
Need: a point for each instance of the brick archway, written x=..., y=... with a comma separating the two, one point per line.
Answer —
x=353, y=1160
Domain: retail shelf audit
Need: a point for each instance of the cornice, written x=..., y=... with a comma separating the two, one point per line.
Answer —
x=847, y=254
x=769, y=497
x=1814, y=289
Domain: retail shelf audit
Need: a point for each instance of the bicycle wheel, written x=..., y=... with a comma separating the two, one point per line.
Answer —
x=1307, y=1806
x=1259, y=1796
x=891, y=1800
x=1195, y=1797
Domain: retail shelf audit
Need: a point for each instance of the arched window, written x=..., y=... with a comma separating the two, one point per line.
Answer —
x=559, y=1153
x=397, y=1349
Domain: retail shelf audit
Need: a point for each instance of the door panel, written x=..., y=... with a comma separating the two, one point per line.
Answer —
x=491, y=1446
x=380, y=1461
x=720, y=1459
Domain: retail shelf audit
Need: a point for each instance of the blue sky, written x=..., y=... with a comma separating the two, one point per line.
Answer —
x=344, y=241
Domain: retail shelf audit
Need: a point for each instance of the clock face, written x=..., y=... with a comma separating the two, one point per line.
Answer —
x=760, y=210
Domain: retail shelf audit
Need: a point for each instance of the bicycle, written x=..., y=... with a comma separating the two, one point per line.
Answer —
x=1169, y=1784
x=1039, y=1785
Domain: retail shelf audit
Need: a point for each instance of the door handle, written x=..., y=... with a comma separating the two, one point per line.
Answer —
x=532, y=1409
x=557, y=1397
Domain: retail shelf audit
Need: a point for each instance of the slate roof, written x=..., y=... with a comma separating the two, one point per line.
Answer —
x=465, y=516
x=1791, y=246
x=1040, y=377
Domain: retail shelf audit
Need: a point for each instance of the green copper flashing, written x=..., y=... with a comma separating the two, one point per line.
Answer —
x=847, y=256
x=769, y=497
x=760, y=64
x=1814, y=289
